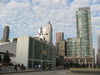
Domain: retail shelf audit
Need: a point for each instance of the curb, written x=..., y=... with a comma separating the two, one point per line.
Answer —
x=17, y=72
x=26, y=71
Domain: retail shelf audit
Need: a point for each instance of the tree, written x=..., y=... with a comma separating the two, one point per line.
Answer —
x=71, y=63
x=6, y=58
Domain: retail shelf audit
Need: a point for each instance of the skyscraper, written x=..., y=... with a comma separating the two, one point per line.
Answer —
x=59, y=37
x=60, y=44
x=61, y=48
x=98, y=54
x=80, y=49
x=6, y=34
x=47, y=32
x=84, y=31
x=84, y=35
x=98, y=42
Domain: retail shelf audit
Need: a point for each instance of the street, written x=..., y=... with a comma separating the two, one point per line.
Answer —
x=58, y=72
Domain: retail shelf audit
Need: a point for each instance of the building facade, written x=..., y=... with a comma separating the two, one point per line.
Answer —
x=84, y=31
x=32, y=52
x=59, y=37
x=6, y=34
x=72, y=48
x=80, y=50
x=98, y=42
x=11, y=48
x=98, y=54
x=84, y=34
x=61, y=48
x=47, y=32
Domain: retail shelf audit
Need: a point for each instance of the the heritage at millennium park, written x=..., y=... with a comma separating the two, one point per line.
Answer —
x=40, y=53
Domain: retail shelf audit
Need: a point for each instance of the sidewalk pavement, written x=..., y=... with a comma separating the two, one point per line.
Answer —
x=28, y=70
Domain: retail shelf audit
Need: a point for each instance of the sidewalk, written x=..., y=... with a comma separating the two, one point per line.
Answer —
x=29, y=70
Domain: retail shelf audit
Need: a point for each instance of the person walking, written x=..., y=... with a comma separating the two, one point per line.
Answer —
x=15, y=67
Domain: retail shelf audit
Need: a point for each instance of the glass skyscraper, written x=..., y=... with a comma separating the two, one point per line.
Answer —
x=98, y=54
x=84, y=32
x=80, y=49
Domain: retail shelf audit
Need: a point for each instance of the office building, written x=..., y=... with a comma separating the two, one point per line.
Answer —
x=32, y=52
x=47, y=32
x=61, y=48
x=98, y=40
x=59, y=37
x=6, y=34
x=84, y=31
x=98, y=54
x=72, y=48
x=60, y=44
x=80, y=50
x=84, y=34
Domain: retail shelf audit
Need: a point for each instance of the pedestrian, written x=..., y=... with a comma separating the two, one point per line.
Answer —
x=22, y=67
x=19, y=68
x=39, y=66
x=15, y=67
x=0, y=67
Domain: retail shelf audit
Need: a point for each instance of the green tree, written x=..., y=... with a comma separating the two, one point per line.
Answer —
x=6, y=58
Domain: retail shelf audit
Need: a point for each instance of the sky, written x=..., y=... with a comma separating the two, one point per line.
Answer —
x=25, y=16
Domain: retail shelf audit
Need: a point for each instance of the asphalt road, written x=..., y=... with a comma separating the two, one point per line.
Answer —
x=58, y=72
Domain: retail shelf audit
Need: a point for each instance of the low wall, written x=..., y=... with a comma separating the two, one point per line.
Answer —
x=86, y=70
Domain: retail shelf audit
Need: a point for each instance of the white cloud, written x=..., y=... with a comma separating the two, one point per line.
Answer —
x=25, y=15
x=96, y=1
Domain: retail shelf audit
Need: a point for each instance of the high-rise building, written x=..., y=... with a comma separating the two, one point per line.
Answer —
x=47, y=32
x=84, y=31
x=84, y=34
x=72, y=48
x=61, y=48
x=98, y=42
x=80, y=49
x=98, y=54
x=60, y=44
x=6, y=34
x=59, y=37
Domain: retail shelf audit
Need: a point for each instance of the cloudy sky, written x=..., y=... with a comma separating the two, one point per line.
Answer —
x=25, y=16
